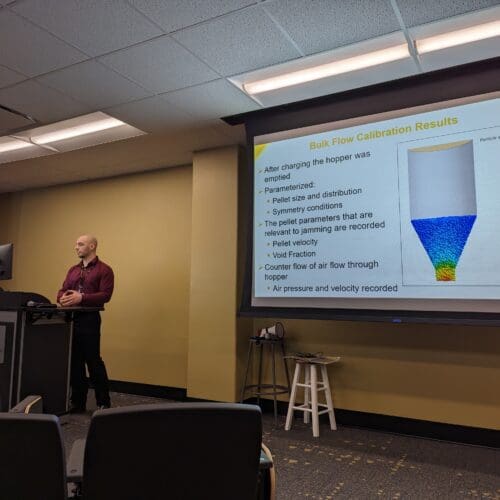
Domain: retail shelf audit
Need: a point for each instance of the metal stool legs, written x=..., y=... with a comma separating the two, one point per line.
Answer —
x=260, y=389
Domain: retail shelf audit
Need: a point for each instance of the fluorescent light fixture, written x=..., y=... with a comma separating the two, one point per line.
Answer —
x=64, y=136
x=13, y=144
x=76, y=131
x=459, y=37
x=330, y=69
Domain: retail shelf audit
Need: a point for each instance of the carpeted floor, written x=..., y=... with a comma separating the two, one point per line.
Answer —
x=353, y=463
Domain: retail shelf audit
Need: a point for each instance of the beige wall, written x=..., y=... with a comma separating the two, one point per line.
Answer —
x=143, y=223
x=176, y=241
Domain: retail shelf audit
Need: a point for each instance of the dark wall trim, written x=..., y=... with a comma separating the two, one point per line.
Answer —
x=402, y=425
x=148, y=390
x=384, y=423
x=421, y=428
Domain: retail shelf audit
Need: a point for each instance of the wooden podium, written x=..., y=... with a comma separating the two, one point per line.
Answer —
x=35, y=351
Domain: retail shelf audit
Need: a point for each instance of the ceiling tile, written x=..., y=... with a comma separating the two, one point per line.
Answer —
x=11, y=121
x=425, y=11
x=177, y=14
x=94, y=26
x=324, y=25
x=152, y=114
x=160, y=65
x=42, y=103
x=238, y=42
x=9, y=77
x=31, y=50
x=94, y=84
x=211, y=100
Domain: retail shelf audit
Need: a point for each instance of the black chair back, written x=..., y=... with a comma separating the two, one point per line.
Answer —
x=31, y=457
x=178, y=451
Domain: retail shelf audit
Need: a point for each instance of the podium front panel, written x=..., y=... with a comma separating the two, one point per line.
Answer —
x=46, y=354
x=8, y=321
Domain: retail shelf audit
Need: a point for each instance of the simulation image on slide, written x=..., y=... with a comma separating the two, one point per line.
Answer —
x=403, y=208
x=443, y=202
x=449, y=211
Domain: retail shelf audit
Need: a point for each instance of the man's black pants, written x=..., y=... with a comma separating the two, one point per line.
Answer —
x=86, y=350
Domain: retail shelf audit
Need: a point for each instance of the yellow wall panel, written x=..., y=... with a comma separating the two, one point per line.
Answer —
x=441, y=373
x=143, y=224
x=213, y=296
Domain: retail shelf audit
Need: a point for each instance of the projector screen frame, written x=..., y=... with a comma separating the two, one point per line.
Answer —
x=465, y=81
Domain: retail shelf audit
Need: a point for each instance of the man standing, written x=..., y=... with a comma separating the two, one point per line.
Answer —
x=89, y=283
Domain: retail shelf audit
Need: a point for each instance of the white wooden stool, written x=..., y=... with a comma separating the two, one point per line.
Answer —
x=312, y=387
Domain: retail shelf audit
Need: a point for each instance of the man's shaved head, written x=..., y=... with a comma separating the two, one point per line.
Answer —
x=86, y=246
x=90, y=239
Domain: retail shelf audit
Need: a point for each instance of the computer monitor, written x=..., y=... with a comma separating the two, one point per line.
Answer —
x=6, y=253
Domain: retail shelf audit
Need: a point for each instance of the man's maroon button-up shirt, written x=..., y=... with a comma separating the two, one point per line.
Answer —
x=96, y=282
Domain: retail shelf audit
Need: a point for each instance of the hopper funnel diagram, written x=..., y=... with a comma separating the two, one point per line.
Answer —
x=443, y=202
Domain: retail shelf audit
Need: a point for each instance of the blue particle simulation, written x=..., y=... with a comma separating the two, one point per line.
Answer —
x=444, y=239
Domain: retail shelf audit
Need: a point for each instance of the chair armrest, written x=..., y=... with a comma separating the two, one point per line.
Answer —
x=30, y=404
x=74, y=467
x=265, y=461
x=267, y=476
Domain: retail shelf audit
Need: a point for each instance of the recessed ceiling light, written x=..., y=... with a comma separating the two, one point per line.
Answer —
x=84, y=131
x=458, y=37
x=329, y=69
x=13, y=144
x=77, y=130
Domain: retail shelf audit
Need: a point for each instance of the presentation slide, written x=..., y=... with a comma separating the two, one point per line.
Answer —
x=404, y=208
